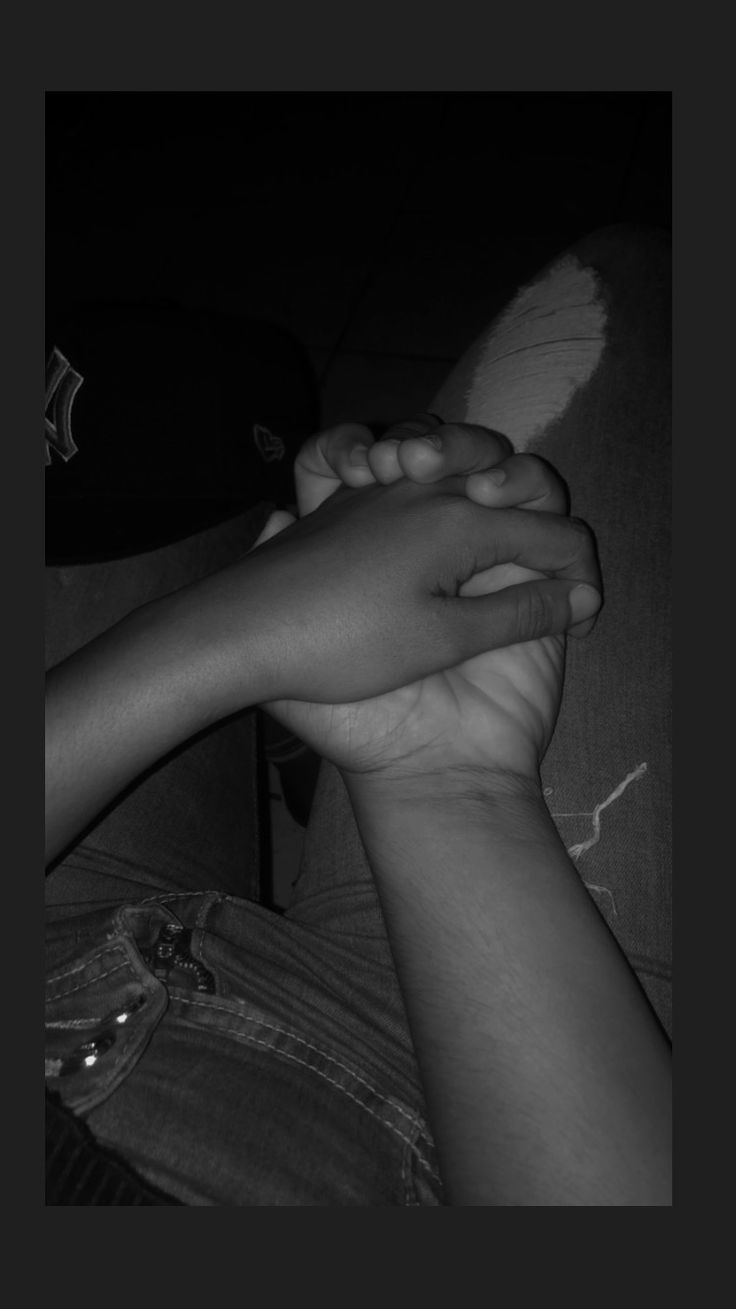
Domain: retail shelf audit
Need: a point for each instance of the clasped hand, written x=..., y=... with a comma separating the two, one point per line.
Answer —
x=427, y=602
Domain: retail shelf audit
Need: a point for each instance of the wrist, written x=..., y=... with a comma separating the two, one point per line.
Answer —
x=472, y=789
x=501, y=808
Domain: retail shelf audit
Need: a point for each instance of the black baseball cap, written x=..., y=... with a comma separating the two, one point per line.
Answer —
x=162, y=420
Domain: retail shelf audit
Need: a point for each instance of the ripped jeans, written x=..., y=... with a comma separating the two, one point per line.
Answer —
x=237, y=1056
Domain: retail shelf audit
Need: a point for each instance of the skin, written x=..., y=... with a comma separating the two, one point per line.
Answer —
x=495, y=711
x=546, y=1073
x=356, y=599
x=388, y=627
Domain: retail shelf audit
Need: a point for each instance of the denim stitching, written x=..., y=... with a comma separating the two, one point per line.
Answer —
x=176, y=895
x=70, y=1023
x=413, y=1121
x=89, y=982
x=320, y=1073
x=282, y=1031
x=236, y=1031
x=391, y=1127
x=202, y=916
x=172, y=895
x=77, y=968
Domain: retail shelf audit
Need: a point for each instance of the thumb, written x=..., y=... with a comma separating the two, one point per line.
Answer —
x=525, y=612
x=277, y=522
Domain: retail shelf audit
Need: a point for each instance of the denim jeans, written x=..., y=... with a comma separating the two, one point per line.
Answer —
x=239, y=1056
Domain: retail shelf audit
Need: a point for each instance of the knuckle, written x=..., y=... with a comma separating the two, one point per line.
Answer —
x=580, y=535
x=535, y=612
x=476, y=442
x=540, y=473
x=532, y=464
x=486, y=433
x=491, y=444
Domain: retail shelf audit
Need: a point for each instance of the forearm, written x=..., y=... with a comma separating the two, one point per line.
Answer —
x=546, y=1074
x=122, y=702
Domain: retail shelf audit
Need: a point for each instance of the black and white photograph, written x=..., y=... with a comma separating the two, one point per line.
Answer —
x=357, y=587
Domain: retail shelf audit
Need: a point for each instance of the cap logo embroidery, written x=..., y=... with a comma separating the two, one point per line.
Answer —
x=269, y=447
x=62, y=384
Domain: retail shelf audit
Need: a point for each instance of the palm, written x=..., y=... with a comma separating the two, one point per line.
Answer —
x=496, y=710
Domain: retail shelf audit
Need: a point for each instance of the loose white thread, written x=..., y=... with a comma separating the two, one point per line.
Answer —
x=575, y=851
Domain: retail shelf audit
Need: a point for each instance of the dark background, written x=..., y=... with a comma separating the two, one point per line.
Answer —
x=284, y=204
x=379, y=231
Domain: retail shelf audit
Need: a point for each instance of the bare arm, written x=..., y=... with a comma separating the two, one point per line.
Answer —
x=546, y=1073
x=311, y=616
x=126, y=699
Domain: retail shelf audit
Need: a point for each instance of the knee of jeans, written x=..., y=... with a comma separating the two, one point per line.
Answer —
x=541, y=349
x=521, y=375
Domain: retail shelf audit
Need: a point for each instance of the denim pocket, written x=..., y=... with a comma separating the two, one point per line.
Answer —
x=102, y=1008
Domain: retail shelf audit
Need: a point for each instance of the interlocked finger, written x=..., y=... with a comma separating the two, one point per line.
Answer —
x=521, y=481
x=328, y=461
x=451, y=448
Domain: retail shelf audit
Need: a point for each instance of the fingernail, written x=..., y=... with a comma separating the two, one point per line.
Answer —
x=434, y=441
x=496, y=475
x=584, y=602
x=359, y=456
